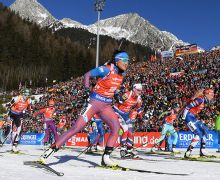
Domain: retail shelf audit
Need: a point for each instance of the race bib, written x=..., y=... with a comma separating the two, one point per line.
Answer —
x=191, y=126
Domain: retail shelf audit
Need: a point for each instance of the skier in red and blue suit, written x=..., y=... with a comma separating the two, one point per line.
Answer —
x=128, y=102
x=199, y=129
x=100, y=102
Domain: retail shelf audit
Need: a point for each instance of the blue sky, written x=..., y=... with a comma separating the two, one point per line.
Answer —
x=193, y=21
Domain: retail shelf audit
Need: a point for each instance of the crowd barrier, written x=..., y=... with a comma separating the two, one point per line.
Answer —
x=141, y=139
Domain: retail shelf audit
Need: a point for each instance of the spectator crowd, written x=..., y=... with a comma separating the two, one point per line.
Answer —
x=165, y=81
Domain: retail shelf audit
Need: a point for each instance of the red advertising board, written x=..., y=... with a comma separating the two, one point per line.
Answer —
x=80, y=139
x=141, y=139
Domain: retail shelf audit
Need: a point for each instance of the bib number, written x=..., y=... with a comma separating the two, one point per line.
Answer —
x=191, y=126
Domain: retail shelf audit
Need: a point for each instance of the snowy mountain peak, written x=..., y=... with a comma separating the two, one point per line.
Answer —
x=215, y=48
x=136, y=29
x=126, y=20
x=130, y=26
x=31, y=9
x=69, y=23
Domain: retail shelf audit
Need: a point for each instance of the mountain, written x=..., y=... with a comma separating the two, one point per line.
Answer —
x=34, y=11
x=215, y=48
x=125, y=26
x=69, y=23
x=66, y=23
x=130, y=26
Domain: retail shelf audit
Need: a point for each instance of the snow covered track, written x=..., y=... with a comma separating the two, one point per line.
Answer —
x=65, y=161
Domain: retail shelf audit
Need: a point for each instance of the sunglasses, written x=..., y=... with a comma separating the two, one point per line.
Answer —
x=124, y=60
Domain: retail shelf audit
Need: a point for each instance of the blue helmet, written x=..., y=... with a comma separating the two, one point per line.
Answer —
x=122, y=56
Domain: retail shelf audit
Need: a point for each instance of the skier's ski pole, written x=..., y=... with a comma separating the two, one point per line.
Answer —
x=4, y=141
x=84, y=151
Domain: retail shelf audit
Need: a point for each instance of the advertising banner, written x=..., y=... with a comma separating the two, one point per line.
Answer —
x=148, y=139
x=29, y=139
x=167, y=54
x=184, y=139
x=141, y=139
x=80, y=139
x=32, y=139
x=188, y=49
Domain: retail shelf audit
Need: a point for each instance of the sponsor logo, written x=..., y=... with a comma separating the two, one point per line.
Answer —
x=78, y=139
x=189, y=137
x=103, y=98
x=185, y=139
x=29, y=137
x=142, y=140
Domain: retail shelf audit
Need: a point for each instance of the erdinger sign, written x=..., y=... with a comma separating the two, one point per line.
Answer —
x=185, y=138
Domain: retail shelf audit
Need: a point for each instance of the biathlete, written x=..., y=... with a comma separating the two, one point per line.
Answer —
x=197, y=127
x=168, y=128
x=49, y=121
x=18, y=107
x=100, y=100
x=128, y=102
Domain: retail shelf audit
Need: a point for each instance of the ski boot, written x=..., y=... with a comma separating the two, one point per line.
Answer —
x=131, y=153
x=188, y=151
x=106, y=160
x=94, y=148
x=123, y=151
x=48, y=153
x=155, y=148
x=187, y=154
x=99, y=148
x=203, y=152
x=160, y=149
x=14, y=148
x=167, y=148
x=46, y=146
x=1, y=143
x=174, y=151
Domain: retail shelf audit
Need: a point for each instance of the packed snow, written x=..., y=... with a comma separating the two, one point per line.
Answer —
x=74, y=168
